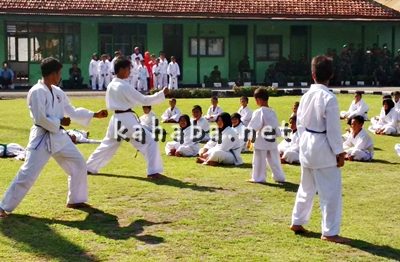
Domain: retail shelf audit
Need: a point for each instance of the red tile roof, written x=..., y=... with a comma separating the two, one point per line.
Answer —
x=249, y=9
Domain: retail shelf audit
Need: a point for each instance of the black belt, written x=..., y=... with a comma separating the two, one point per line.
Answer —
x=124, y=111
x=61, y=127
x=315, y=132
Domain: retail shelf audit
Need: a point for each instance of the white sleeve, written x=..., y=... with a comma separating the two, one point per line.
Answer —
x=176, y=115
x=135, y=97
x=165, y=115
x=80, y=115
x=256, y=122
x=36, y=102
x=333, y=130
x=169, y=69
x=178, y=71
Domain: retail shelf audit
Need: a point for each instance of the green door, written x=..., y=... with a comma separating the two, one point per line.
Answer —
x=237, y=49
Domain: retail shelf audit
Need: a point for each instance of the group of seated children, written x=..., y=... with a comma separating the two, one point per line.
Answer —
x=387, y=123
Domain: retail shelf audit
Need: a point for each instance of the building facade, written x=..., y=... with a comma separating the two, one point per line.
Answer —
x=220, y=33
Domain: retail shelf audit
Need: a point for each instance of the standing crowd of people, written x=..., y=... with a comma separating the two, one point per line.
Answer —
x=147, y=71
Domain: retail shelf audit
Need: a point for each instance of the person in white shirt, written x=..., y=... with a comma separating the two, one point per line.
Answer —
x=124, y=125
x=357, y=108
x=183, y=144
x=157, y=77
x=136, y=54
x=265, y=123
x=321, y=154
x=227, y=148
x=149, y=119
x=244, y=111
x=201, y=122
x=240, y=129
x=289, y=147
x=358, y=145
x=103, y=69
x=94, y=72
x=134, y=74
x=172, y=113
x=110, y=68
x=397, y=101
x=387, y=121
x=163, y=70
x=173, y=73
x=143, y=74
x=214, y=110
x=50, y=110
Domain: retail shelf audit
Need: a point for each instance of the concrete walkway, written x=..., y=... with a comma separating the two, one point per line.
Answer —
x=10, y=94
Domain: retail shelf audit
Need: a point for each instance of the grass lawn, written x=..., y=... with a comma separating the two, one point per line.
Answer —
x=197, y=212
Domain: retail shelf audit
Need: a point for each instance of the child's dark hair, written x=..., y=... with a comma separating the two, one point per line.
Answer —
x=261, y=93
x=322, y=67
x=359, y=119
x=148, y=107
x=197, y=107
x=245, y=98
x=121, y=63
x=215, y=98
x=50, y=65
x=236, y=115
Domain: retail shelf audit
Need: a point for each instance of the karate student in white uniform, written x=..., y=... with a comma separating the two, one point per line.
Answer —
x=357, y=108
x=239, y=128
x=214, y=110
x=244, y=111
x=143, y=74
x=149, y=119
x=134, y=74
x=124, y=125
x=321, y=154
x=94, y=71
x=172, y=113
x=117, y=54
x=183, y=144
x=173, y=73
x=227, y=147
x=163, y=70
x=103, y=69
x=136, y=54
x=387, y=121
x=397, y=101
x=50, y=109
x=358, y=145
x=157, y=76
x=289, y=147
x=201, y=122
x=265, y=123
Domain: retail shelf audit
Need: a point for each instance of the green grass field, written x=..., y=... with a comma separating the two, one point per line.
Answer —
x=197, y=213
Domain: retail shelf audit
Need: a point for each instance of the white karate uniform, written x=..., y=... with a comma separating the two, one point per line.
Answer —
x=134, y=76
x=143, y=74
x=187, y=147
x=163, y=71
x=240, y=130
x=112, y=66
x=290, y=149
x=47, y=140
x=360, y=146
x=169, y=114
x=397, y=148
x=205, y=126
x=104, y=78
x=94, y=73
x=173, y=72
x=121, y=96
x=356, y=109
x=148, y=120
x=11, y=150
x=319, y=112
x=245, y=115
x=263, y=121
x=387, y=122
x=157, y=76
x=228, y=151
x=110, y=70
x=134, y=55
x=213, y=113
x=397, y=105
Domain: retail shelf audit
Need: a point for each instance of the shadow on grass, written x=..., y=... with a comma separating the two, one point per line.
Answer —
x=287, y=186
x=376, y=250
x=167, y=181
x=382, y=161
x=40, y=238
